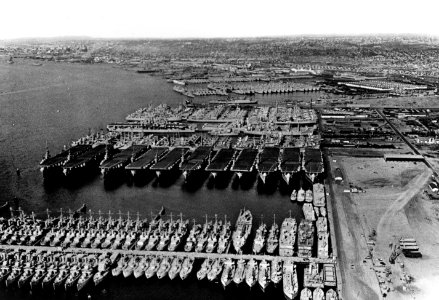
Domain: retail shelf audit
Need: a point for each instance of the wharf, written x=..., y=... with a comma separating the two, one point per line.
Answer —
x=290, y=161
x=196, y=159
x=245, y=160
x=170, y=159
x=170, y=254
x=151, y=156
x=313, y=161
x=86, y=157
x=60, y=158
x=221, y=160
x=268, y=160
x=122, y=158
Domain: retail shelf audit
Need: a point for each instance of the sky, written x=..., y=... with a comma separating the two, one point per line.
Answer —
x=220, y=18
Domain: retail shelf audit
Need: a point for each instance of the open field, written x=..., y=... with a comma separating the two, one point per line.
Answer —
x=394, y=205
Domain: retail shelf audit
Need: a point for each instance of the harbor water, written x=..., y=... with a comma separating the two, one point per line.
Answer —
x=56, y=103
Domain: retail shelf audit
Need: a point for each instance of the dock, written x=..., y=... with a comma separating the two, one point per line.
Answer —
x=290, y=163
x=267, y=162
x=170, y=160
x=123, y=158
x=313, y=162
x=245, y=161
x=221, y=161
x=92, y=156
x=196, y=160
x=145, y=161
x=196, y=255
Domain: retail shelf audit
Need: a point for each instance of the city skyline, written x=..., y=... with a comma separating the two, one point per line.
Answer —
x=228, y=19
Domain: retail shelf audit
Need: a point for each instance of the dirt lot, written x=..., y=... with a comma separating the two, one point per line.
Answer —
x=394, y=204
x=427, y=101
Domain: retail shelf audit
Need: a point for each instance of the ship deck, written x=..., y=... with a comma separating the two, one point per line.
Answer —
x=221, y=160
x=196, y=159
x=170, y=159
x=146, y=159
x=85, y=157
x=124, y=156
x=313, y=162
x=290, y=160
x=245, y=160
x=268, y=159
x=61, y=157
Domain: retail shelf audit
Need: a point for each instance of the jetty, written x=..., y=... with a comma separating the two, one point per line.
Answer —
x=195, y=255
x=245, y=161
x=290, y=163
x=145, y=161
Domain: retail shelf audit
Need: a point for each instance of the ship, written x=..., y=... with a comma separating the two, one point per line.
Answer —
x=329, y=278
x=293, y=196
x=251, y=273
x=60, y=278
x=131, y=266
x=37, y=279
x=235, y=101
x=259, y=241
x=228, y=272
x=306, y=294
x=25, y=277
x=86, y=278
x=192, y=238
x=287, y=237
x=142, y=267
x=186, y=268
x=319, y=194
x=239, y=275
x=153, y=267
x=212, y=241
x=264, y=275
x=203, y=236
x=14, y=275
x=301, y=195
x=165, y=266
x=176, y=267
x=181, y=231
x=312, y=277
x=289, y=279
x=322, y=238
x=71, y=281
x=216, y=269
x=308, y=212
x=205, y=268
x=273, y=239
x=276, y=271
x=242, y=229
x=225, y=235
x=121, y=264
x=305, y=239
x=318, y=294
x=51, y=274
x=331, y=295
x=309, y=196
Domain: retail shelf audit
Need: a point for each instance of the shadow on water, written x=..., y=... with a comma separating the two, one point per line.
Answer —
x=195, y=181
x=222, y=180
x=167, y=179
x=142, y=178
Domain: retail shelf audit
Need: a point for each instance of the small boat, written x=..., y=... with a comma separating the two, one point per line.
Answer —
x=306, y=294
x=301, y=195
x=293, y=196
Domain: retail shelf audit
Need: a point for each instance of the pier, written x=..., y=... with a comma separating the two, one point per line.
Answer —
x=144, y=161
x=245, y=161
x=195, y=255
x=123, y=158
x=221, y=161
x=290, y=163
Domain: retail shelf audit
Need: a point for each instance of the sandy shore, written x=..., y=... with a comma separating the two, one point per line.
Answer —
x=394, y=205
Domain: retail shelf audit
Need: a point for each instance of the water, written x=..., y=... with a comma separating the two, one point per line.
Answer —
x=56, y=103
